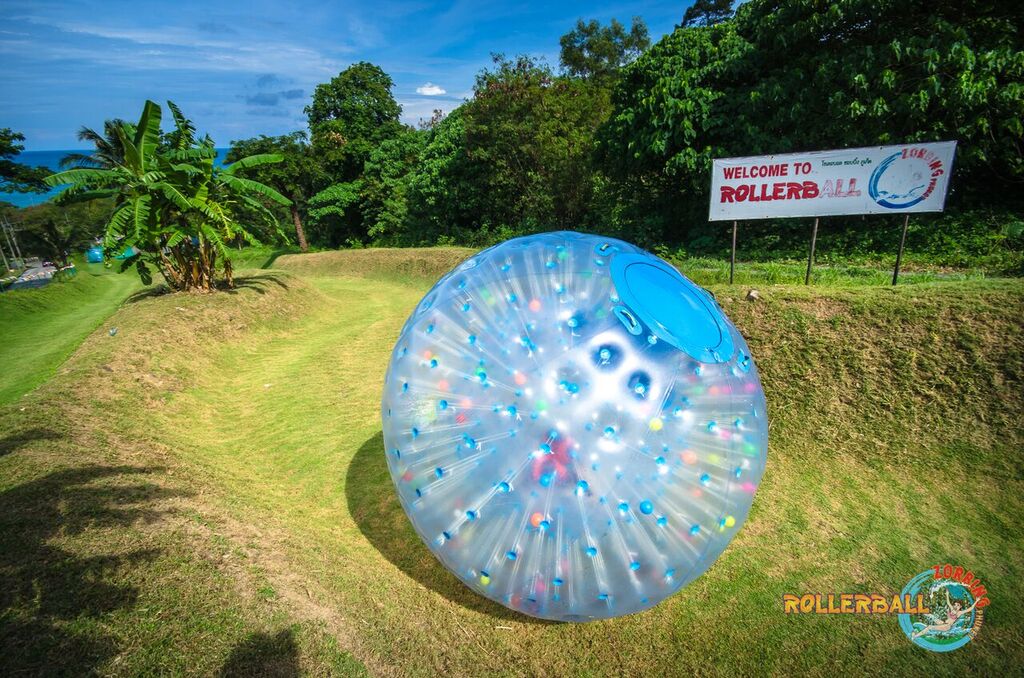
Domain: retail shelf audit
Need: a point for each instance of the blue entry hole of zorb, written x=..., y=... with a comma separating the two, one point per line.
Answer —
x=574, y=429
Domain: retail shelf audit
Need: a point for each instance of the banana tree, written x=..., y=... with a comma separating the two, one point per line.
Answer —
x=172, y=204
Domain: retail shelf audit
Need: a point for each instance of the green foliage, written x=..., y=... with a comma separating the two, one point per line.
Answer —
x=386, y=184
x=707, y=12
x=516, y=158
x=441, y=197
x=107, y=150
x=295, y=176
x=350, y=115
x=787, y=76
x=15, y=177
x=334, y=214
x=594, y=51
x=171, y=203
x=529, y=145
x=49, y=230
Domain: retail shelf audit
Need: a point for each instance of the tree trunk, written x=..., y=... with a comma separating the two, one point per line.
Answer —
x=300, y=232
x=193, y=268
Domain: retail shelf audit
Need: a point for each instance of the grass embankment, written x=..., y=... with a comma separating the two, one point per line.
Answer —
x=41, y=327
x=710, y=272
x=112, y=560
x=416, y=265
x=224, y=479
x=401, y=264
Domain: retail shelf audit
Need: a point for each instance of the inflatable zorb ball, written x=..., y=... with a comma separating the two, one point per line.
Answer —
x=574, y=428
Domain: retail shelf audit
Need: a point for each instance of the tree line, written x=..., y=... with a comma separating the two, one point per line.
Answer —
x=619, y=138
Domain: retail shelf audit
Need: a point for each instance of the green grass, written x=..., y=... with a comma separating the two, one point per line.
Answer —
x=243, y=516
x=716, y=272
x=41, y=327
x=258, y=256
x=402, y=264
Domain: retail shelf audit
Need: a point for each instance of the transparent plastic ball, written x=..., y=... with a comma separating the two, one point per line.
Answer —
x=574, y=428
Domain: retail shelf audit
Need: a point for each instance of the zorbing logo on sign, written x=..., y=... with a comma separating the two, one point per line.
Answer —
x=879, y=180
x=906, y=178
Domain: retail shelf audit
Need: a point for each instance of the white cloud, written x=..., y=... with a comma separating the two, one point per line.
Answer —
x=430, y=90
x=181, y=48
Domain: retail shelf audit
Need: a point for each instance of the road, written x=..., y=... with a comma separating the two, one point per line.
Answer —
x=35, y=275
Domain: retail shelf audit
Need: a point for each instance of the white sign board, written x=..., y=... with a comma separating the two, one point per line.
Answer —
x=878, y=180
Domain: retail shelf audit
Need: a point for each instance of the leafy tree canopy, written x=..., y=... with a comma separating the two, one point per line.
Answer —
x=594, y=51
x=385, y=184
x=334, y=216
x=107, y=150
x=791, y=76
x=15, y=177
x=707, y=12
x=442, y=199
x=350, y=115
x=51, y=230
x=529, y=142
x=296, y=177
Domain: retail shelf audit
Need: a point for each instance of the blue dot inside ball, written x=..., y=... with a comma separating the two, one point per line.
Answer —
x=607, y=357
x=639, y=384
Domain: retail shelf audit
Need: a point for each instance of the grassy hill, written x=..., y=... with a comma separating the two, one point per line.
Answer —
x=206, y=491
x=41, y=327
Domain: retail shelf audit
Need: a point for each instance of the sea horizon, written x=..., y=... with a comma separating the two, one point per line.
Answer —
x=51, y=160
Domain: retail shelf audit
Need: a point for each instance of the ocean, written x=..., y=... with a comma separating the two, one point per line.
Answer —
x=51, y=159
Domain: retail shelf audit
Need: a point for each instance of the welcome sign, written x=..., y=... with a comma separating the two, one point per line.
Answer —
x=878, y=180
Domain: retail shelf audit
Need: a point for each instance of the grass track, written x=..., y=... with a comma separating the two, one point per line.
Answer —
x=41, y=327
x=896, y=443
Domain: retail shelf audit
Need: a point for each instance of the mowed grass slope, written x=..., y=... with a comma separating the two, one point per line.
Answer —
x=41, y=327
x=433, y=262
x=895, y=444
x=112, y=560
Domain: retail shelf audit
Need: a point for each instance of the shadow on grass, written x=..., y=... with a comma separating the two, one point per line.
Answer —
x=15, y=441
x=150, y=292
x=269, y=263
x=374, y=506
x=257, y=282
x=53, y=601
x=262, y=654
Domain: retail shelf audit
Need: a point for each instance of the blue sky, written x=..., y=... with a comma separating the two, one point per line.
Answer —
x=242, y=69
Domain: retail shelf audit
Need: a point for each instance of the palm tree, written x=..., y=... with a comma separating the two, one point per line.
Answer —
x=109, y=151
x=172, y=204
